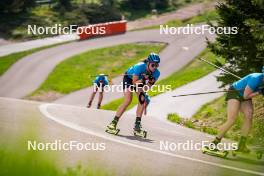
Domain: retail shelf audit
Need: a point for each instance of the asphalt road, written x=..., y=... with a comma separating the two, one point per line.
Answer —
x=180, y=14
x=27, y=74
x=180, y=51
x=8, y=47
x=124, y=153
x=185, y=106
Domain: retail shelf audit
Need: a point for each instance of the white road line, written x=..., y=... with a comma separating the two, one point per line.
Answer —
x=43, y=110
x=185, y=48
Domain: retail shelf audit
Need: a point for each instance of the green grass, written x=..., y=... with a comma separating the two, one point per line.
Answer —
x=211, y=15
x=17, y=160
x=193, y=71
x=7, y=61
x=213, y=114
x=209, y=112
x=25, y=163
x=75, y=73
x=15, y=25
x=173, y=117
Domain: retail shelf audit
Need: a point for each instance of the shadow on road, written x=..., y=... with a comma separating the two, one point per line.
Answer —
x=136, y=138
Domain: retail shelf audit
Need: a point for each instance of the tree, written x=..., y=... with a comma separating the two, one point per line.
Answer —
x=112, y=3
x=244, y=51
x=64, y=5
x=137, y=4
x=162, y=4
x=97, y=13
x=15, y=6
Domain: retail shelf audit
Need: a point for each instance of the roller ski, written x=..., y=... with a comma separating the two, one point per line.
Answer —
x=244, y=151
x=111, y=128
x=253, y=152
x=139, y=132
x=214, y=152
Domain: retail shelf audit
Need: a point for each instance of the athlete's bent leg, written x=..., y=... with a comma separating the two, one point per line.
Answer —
x=233, y=106
x=140, y=107
x=128, y=95
x=247, y=109
x=91, y=99
x=101, y=96
x=139, y=113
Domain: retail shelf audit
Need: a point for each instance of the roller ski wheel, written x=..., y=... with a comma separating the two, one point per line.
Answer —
x=218, y=153
x=141, y=133
x=111, y=129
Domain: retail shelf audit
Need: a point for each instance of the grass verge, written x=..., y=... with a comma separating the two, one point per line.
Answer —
x=213, y=114
x=31, y=163
x=17, y=160
x=193, y=71
x=77, y=72
x=7, y=61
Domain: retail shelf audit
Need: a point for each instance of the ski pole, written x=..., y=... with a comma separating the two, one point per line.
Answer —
x=109, y=75
x=220, y=68
x=200, y=93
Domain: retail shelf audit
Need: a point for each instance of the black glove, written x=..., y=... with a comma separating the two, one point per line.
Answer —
x=150, y=77
x=143, y=81
x=261, y=91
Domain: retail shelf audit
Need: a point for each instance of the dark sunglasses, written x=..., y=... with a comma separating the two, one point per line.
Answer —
x=154, y=65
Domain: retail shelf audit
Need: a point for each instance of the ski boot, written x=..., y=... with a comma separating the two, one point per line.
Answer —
x=242, y=147
x=139, y=132
x=111, y=128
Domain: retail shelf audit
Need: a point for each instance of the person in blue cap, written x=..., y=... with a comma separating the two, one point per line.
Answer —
x=239, y=98
x=137, y=76
x=99, y=83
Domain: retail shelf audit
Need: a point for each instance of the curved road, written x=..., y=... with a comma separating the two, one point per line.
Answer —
x=179, y=52
x=123, y=153
x=27, y=74
x=181, y=14
x=185, y=106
